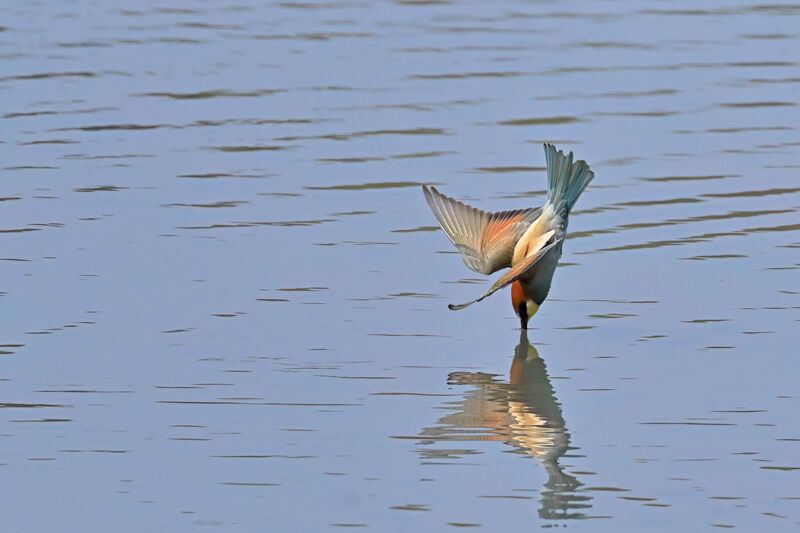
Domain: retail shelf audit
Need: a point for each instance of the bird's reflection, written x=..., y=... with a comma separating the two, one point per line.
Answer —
x=525, y=414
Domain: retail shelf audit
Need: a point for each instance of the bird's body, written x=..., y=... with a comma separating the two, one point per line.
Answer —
x=527, y=240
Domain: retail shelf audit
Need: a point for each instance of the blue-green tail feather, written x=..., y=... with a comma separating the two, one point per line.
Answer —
x=565, y=180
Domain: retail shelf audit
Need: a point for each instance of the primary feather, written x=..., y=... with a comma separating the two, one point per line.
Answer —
x=486, y=240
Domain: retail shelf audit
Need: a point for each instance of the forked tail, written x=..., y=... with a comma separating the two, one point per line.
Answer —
x=565, y=180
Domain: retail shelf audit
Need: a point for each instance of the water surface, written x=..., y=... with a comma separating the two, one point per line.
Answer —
x=224, y=297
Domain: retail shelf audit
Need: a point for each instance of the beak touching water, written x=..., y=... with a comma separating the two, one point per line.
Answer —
x=524, y=307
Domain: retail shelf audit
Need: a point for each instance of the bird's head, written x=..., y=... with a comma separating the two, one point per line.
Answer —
x=524, y=307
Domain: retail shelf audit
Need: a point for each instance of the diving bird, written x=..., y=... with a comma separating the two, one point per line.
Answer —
x=527, y=240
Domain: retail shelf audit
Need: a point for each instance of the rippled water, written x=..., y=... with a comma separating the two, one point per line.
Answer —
x=224, y=297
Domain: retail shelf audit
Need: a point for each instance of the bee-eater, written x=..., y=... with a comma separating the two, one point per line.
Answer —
x=527, y=240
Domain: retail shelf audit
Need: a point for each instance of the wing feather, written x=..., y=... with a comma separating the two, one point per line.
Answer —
x=512, y=275
x=486, y=240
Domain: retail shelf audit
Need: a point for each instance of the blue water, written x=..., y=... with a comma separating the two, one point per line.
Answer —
x=223, y=295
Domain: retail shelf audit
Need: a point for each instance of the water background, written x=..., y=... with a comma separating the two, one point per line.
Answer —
x=223, y=297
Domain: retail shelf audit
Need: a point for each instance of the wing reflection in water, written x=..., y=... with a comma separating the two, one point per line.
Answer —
x=525, y=414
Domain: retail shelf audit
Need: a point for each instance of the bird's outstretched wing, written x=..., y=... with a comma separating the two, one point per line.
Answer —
x=486, y=240
x=515, y=273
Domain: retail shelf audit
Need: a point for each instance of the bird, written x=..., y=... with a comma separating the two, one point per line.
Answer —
x=528, y=241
